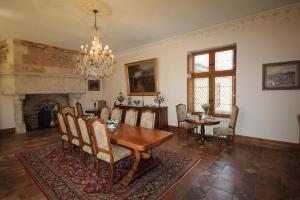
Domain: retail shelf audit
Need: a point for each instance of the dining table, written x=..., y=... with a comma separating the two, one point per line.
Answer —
x=202, y=123
x=140, y=140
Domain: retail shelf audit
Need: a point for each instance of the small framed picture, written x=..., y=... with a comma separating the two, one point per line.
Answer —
x=93, y=85
x=281, y=76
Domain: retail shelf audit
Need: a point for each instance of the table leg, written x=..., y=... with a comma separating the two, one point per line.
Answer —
x=202, y=134
x=143, y=163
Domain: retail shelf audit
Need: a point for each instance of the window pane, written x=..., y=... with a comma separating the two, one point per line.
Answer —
x=223, y=94
x=224, y=60
x=200, y=93
x=201, y=63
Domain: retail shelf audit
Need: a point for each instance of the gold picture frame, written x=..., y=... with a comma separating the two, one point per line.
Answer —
x=281, y=76
x=141, y=78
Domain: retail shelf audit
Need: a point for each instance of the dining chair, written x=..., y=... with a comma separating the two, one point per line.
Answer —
x=181, y=112
x=65, y=138
x=104, y=150
x=228, y=132
x=87, y=141
x=148, y=119
x=104, y=115
x=101, y=104
x=116, y=114
x=68, y=110
x=76, y=138
x=131, y=117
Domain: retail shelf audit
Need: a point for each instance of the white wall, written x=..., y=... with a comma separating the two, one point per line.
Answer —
x=268, y=37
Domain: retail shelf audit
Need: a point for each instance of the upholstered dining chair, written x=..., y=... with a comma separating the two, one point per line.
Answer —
x=76, y=138
x=105, y=151
x=228, y=132
x=148, y=119
x=80, y=110
x=68, y=110
x=101, y=104
x=131, y=117
x=65, y=138
x=104, y=115
x=116, y=114
x=87, y=142
x=181, y=112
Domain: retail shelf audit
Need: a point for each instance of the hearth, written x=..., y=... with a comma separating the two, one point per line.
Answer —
x=40, y=109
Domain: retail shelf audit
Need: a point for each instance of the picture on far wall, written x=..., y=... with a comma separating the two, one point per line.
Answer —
x=281, y=76
x=141, y=78
x=93, y=85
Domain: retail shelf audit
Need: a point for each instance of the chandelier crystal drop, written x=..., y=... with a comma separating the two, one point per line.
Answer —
x=97, y=61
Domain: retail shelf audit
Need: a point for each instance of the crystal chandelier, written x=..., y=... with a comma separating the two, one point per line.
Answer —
x=98, y=61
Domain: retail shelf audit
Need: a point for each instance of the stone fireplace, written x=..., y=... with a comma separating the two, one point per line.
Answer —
x=28, y=69
x=36, y=104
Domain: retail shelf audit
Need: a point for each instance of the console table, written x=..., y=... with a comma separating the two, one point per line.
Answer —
x=161, y=116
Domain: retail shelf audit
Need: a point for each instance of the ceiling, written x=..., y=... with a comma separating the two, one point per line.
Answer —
x=127, y=24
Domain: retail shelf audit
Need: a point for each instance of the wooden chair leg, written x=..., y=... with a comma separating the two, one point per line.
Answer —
x=97, y=166
x=111, y=175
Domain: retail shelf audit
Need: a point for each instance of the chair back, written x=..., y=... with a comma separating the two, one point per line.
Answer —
x=131, y=117
x=233, y=117
x=181, y=112
x=147, y=119
x=101, y=104
x=62, y=123
x=68, y=110
x=104, y=113
x=73, y=127
x=116, y=114
x=86, y=136
x=101, y=140
x=79, y=109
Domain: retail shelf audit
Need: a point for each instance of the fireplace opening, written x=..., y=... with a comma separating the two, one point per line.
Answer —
x=40, y=110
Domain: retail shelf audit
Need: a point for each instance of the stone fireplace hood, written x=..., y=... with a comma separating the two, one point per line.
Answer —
x=32, y=68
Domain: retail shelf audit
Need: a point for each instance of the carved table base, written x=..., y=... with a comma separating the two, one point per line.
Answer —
x=143, y=163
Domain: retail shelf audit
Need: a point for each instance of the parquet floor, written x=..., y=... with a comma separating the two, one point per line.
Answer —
x=242, y=172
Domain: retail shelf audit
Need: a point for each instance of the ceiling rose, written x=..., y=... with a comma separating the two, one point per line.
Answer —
x=87, y=7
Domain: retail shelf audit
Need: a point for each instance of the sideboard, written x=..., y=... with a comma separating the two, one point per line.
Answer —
x=161, y=117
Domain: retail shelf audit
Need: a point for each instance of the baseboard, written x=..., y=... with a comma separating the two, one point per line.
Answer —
x=8, y=131
x=260, y=142
x=272, y=144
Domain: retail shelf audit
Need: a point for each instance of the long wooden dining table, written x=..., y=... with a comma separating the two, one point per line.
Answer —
x=141, y=141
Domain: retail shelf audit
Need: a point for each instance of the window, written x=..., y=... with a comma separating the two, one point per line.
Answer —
x=212, y=80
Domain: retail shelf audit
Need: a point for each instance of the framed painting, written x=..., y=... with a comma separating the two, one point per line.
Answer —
x=141, y=78
x=93, y=85
x=281, y=76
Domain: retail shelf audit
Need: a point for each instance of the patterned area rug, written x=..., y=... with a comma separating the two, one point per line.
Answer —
x=62, y=175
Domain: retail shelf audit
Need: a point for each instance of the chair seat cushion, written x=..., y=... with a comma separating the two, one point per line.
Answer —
x=75, y=141
x=119, y=152
x=223, y=131
x=186, y=125
x=87, y=149
x=65, y=138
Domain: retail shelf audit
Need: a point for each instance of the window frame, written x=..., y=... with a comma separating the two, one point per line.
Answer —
x=211, y=74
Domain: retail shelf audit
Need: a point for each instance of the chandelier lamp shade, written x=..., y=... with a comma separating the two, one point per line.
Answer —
x=97, y=61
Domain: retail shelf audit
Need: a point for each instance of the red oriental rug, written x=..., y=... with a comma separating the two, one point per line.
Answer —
x=62, y=175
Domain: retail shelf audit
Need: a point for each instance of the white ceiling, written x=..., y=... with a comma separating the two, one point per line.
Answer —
x=131, y=23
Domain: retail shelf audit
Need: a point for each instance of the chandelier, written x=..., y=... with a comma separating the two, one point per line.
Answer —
x=97, y=61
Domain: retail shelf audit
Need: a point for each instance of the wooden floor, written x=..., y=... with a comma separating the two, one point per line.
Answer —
x=243, y=172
